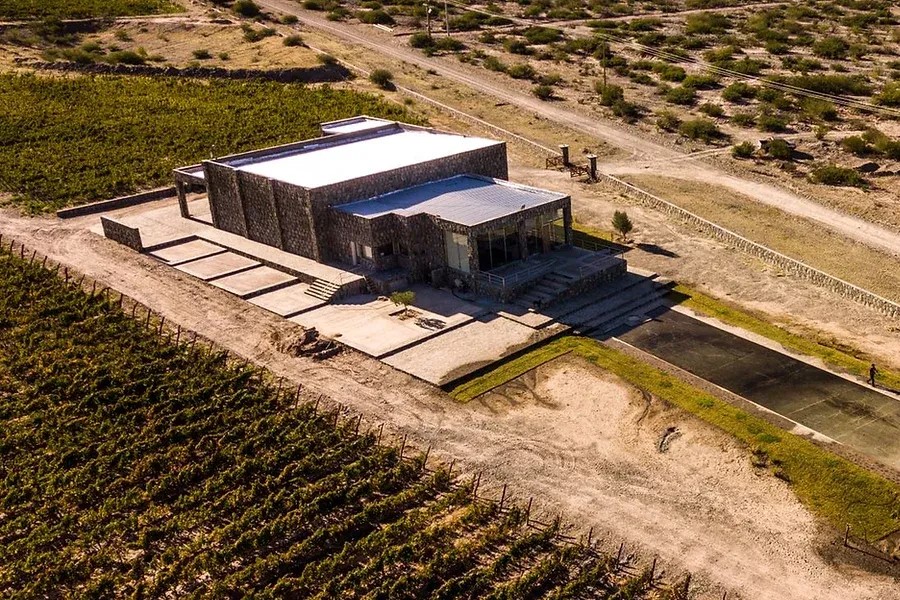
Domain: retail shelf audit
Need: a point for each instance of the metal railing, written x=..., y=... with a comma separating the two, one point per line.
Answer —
x=517, y=277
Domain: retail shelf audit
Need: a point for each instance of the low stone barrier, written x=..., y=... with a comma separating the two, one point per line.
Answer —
x=325, y=73
x=786, y=263
x=116, y=203
x=122, y=233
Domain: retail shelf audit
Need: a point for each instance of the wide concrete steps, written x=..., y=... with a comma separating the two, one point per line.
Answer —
x=323, y=290
x=544, y=291
x=635, y=302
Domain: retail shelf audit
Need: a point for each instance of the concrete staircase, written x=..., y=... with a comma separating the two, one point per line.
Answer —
x=323, y=290
x=544, y=291
x=633, y=302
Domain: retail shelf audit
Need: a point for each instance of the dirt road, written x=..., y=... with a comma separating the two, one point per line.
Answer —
x=580, y=446
x=664, y=161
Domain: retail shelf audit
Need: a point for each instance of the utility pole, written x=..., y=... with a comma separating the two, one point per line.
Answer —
x=447, y=17
x=428, y=18
x=603, y=50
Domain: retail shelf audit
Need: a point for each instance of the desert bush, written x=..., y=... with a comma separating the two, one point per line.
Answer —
x=669, y=72
x=544, y=92
x=771, y=123
x=313, y=5
x=515, y=46
x=712, y=110
x=817, y=109
x=542, y=35
x=609, y=94
x=288, y=19
x=292, y=40
x=550, y=79
x=202, y=54
x=252, y=34
x=700, y=129
x=492, y=63
x=832, y=47
x=700, y=82
x=890, y=94
x=779, y=149
x=855, y=85
x=743, y=119
x=706, y=24
x=738, y=92
x=837, y=176
x=626, y=110
x=449, y=44
x=382, y=78
x=521, y=71
x=375, y=17
x=681, y=95
x=245, y=8
x=854, y=144
x=125, y=57
x=742, y=150
x=421, y=39
x=667, y=120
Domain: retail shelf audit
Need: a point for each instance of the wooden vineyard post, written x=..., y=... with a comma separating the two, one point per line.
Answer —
x=503, y=497
x=528, y=512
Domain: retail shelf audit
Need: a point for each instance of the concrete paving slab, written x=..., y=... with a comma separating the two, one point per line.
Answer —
x=187, y=251
x=255, y=281
x=288, y=301
x=457, y=353
x=846, y=411
x=376, y=327
x=216, y=266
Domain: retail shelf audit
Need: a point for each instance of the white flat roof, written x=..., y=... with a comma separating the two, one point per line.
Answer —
x=353, y=124
x=464, y=199
x=317, y=165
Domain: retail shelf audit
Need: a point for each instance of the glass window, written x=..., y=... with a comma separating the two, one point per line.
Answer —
x=457, y=248
x=367, y=252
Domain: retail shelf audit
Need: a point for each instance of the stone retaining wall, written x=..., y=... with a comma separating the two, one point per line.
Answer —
x=786, y=263
x=122, y=233
x=318, y=74
x=116, y=203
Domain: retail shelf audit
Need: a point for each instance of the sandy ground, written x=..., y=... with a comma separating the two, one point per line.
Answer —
x=735, y=530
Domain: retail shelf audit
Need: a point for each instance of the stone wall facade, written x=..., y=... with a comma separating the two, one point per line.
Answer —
x=122, y=233
x=786, y=263
x=303, y=221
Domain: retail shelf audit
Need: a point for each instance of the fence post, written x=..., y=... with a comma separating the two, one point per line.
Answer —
x=503, y=497
x=528, y=512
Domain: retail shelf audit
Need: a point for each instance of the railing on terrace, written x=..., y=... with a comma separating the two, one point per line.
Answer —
x=517, y=277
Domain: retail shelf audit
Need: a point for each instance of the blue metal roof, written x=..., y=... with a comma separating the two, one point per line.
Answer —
x=464, y=199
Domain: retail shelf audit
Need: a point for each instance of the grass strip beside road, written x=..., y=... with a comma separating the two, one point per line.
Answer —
x=835, y=489
x=843, y=358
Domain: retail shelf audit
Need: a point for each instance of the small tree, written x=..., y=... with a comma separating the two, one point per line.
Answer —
x=403, y=299
x=382, y=78
x=622, y=223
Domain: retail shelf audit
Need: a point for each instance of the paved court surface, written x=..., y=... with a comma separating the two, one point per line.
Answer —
x=853, y=414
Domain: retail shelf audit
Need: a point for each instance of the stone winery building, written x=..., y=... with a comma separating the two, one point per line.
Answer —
x=399, y=203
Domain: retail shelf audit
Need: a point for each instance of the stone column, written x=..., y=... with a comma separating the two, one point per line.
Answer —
x=523, y=239
x=182, y=199
x=567, y=222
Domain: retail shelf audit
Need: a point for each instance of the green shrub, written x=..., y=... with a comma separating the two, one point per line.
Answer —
x=515, y=46
x=293, y=40
x=492, y=63
x=856, y=145
x=382, y=78
x=544, y=92
x=125, y=57
x=890, y=94
x=609, y=94
x=202, y=54
x=706, y=24
x=421, y=39
x=542, y=35
x=854, y=85
x=252, y=34
x=669, y=72
x=245, y=8
x=681, y=95
x=288, y=19
x=712, y=110
x=626, y=110
x=743, y=119
x=521, y=71
x=817, y=109
x=313, y=5
x=700, y=82
x=375, y=17
x=700, y=129
x=831, y=47
x=771, y=123
x=738, y=92
x=742, y=150
x=667, y=120
x=449, y=44
x=837, y=176
x=779, y=149
x=222, y=56
x=550, y=79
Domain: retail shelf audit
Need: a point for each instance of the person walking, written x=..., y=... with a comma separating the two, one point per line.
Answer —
x=872, y=373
